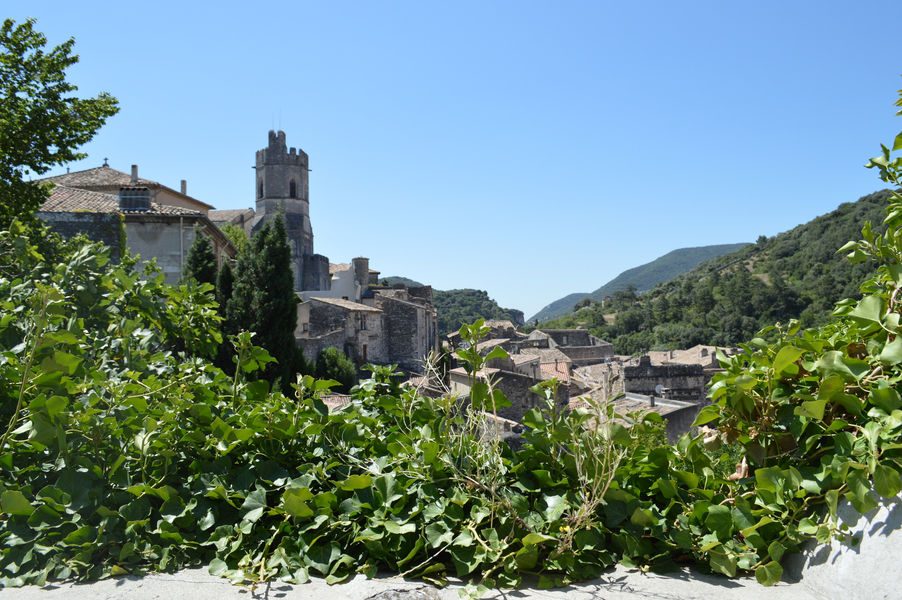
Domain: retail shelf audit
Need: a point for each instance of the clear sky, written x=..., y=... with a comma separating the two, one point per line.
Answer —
x=530, y=149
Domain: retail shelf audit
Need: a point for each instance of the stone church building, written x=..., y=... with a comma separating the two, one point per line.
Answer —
x=339, y=305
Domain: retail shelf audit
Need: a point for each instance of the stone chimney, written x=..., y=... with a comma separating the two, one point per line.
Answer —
x=185, y=186
x=361, y=271
x=134, y=174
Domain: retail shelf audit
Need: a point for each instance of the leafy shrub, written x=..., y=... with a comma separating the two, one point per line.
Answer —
x=333, y=364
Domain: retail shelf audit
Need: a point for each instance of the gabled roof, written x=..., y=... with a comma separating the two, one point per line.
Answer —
x=98, y=177
x=105, y=178
x=345, y=304
x=489, y=344
x=73, y=200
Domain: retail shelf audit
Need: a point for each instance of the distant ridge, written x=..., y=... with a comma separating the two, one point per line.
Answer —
x=643, y=278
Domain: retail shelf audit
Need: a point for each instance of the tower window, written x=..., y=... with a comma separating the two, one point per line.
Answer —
x=292, y=189
x=260, y=190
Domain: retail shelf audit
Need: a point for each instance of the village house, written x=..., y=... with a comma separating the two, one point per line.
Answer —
x=159, y=223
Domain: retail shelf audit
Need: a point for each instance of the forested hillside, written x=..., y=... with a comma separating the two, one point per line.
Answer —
x=456, y=307
x=796, y=274
x=642, y=278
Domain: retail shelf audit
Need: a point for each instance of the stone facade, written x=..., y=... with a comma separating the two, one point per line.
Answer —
x=378, y=325
x=680, y=382
x=153, y=231
x=354, y=328
x=98, y=227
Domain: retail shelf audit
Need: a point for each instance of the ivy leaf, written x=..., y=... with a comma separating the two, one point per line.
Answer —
x=869, y=309
x=813, y=409
x=254, y=505
x=720, y=521
x=887, y=482
x=294, y=501
x=532, y=539
x=786, y=357
x=14, y=502
x=355, y=482
x=769, y=574
x=892, y=351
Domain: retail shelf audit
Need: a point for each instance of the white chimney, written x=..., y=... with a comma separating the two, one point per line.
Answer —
x=185, y=186
x=134, y=174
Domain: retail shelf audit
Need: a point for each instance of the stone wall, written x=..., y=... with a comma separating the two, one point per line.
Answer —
x=316, y=272
x=166, y=239
x=587, y=355
x=402, y=325
x=99, y=227
x=312, y=346
x=683, y=382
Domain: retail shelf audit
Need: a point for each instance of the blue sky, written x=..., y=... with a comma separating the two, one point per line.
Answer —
x=529, y=149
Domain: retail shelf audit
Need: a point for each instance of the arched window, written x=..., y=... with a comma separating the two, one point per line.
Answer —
x=260, y=190
x=292, y=189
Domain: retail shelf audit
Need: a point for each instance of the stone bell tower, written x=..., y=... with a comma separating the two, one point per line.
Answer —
x=282, y=187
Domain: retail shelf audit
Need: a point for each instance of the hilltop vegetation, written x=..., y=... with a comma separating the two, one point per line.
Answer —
x=641, y=278
x=796, y=274
x=456, y=307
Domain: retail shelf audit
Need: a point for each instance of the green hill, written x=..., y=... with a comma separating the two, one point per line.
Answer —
x=725, y=301
x=456, y=307
x=642, y=278
x=398, y=280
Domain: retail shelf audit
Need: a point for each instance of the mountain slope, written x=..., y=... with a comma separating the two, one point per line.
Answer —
x=725, y=301
x=642, y=278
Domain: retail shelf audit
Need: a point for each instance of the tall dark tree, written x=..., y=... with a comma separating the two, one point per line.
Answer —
x=263, y=298
x=225, y=282
x=201, y=262
x=43, y=123
x=277, y=302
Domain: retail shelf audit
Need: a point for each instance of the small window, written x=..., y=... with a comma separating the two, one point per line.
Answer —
x=260, y=190
x=305, y=327
x=363, y=321
x=292, y=189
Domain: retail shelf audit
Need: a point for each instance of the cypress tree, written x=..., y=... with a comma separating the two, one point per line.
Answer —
x=277, y=303
x=201, y=263
x=263, y=298
x=225, y=281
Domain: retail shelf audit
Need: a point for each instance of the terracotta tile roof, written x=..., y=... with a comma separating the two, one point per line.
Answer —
x=336, y=267
x=519, y=359
x=546, y=354
x=106, y=178
x=346, y=304
x=489, y=344
x=561, y=371
x=98, y=177
x=73, y=200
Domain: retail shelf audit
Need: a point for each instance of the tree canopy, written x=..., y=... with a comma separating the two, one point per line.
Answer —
x=201, y=263
x=43, y=123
